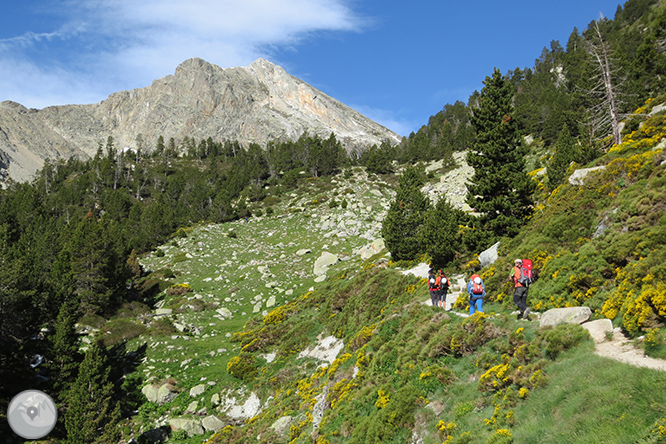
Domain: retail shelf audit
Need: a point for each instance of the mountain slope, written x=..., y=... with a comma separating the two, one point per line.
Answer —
x=253, y=104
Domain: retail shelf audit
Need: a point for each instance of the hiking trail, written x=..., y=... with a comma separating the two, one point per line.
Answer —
x=619, y=348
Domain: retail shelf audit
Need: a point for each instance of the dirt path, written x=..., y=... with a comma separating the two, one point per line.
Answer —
x=622, y=350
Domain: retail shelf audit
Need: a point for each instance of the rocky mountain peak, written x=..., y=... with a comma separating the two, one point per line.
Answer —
x=252, y=104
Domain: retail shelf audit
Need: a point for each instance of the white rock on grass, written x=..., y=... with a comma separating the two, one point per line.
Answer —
x=224, y=312
x=197, y=390
x=212, y=423
x=281, y=425
x=567, y=315
x=324, y=261
x=327, y=349
x=191, y=426
x=192, y=408
x=599, y=329
x=250, y=408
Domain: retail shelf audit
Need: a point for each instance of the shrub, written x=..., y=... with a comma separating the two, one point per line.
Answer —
x=655, y=343
x=120, y=330
x=562, y=338
x=178, y=290
x=161, y=327
x=243, y=367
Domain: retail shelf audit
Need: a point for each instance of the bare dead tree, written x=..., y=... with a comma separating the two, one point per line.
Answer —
x=606, y=92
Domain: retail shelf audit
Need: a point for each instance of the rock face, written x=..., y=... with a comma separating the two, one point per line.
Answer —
x=252, y=104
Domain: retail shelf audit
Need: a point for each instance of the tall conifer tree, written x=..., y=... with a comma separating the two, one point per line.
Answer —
x=440, y=233
x=500, y=189
x=92, y=414
x=404, y=219
x=64, y=348
x=565, y=153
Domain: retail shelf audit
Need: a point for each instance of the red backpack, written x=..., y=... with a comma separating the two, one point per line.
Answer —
x=526, y=273
x=476, y=288
x=442, y=281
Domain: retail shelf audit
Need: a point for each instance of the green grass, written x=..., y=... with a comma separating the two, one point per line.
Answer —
x=590, y=399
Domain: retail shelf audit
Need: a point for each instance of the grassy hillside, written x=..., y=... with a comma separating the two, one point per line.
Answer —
x=245, y=297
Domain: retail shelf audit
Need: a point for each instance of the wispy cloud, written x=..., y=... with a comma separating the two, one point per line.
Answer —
x=104, y=46
x=387, y=119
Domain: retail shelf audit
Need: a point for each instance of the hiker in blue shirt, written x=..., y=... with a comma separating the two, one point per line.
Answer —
x=477, y=291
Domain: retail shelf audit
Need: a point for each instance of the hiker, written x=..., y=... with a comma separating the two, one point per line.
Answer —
x=433, y=286
x=443, y=288
x=477, y=291
x=520, y=290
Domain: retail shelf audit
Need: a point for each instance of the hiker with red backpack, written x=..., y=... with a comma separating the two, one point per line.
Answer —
x=522, y=278
x=477, y=291
x=438, y=284
x=444, y=285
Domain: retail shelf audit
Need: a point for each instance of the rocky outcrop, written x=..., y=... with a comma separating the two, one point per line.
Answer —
x=252, y=104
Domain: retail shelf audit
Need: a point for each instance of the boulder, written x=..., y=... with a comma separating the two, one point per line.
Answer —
x=197, y=390
x=599, y=329
x=578, y=176
x=159, y=395
x=249, y=409
x=224, y=312
x=489, y=256
x=150, y=392
x=212, y=423
x=567, y=315
x=281, y=425
x=192, y=408
x=191, y=426
x=373, y=248
x=326, y=260
x=303, y=252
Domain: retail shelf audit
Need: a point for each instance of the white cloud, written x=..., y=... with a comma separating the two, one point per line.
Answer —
x=387, y=119
x=104, y=46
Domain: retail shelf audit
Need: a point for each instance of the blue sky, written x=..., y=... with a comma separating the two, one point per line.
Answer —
x=397, y=62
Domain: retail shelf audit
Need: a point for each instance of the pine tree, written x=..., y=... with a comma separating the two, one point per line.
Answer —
x=500, y=189
x=92, y=414
x=565, y=153
x=440, y=233
x=64, y=350
x=405, y=217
